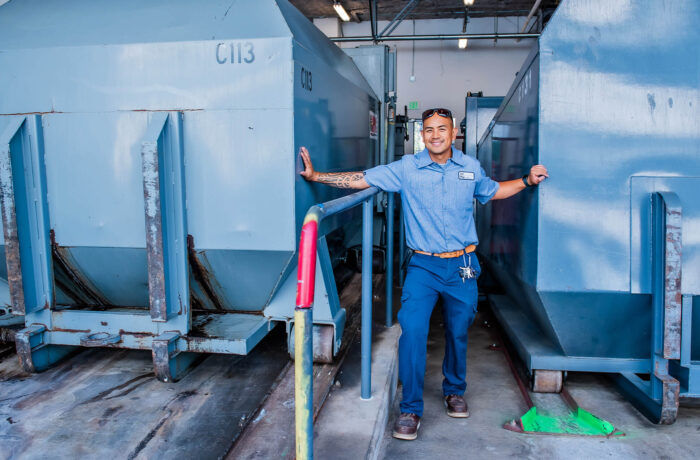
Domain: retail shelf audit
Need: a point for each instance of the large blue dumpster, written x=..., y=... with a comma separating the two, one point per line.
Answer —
x=602, y=261
x=149, y=171
x=478, y=115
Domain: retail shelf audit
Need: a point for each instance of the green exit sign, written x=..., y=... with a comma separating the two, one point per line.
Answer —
x=413, y=105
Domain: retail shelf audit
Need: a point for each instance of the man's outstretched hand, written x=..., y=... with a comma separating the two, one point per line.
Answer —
x=508, y=188
x=538, y=173
x=351, y=179
x=308, y=173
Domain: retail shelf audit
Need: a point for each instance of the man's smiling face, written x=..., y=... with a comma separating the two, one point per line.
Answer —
x=438, y=134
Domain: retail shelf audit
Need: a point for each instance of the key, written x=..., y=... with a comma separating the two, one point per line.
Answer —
x=467, y=272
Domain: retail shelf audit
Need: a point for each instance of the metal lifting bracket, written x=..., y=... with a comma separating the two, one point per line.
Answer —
x=169, y=362
x=25, y=218
x=658, y=398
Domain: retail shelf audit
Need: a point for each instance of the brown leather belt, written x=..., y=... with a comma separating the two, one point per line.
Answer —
x=448, y=255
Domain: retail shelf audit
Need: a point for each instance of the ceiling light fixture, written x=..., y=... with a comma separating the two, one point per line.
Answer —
x=462, y=43
x=468, y=2
x=341, y=11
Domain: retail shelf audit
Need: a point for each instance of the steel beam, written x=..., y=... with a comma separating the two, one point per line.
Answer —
x=363, y=38
x=373, y=18
x=394, y=23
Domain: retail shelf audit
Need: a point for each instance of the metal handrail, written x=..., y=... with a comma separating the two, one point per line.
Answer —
x=303, y=318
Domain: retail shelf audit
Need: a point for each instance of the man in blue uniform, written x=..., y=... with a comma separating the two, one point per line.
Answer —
x=437, y=187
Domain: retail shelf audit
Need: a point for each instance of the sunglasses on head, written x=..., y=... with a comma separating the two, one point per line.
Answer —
x=442, y=112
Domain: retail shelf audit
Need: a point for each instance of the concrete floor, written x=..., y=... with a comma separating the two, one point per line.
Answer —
x=107, y=403
x=493, y=399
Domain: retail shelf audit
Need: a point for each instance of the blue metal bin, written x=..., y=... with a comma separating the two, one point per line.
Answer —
x=149, y=171
x=602, y=261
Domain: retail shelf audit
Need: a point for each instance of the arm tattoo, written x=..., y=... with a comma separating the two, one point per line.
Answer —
x=340, y=180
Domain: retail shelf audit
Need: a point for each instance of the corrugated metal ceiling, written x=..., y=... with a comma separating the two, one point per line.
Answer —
x=359, y=10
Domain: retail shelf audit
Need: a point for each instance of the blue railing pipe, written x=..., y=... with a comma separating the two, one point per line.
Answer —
x=402, y=245
x=390, y=259
x=303, y=315
x=366, y=343
x=390, y=219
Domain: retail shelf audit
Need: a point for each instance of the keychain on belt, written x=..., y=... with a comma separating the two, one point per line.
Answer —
x=467, y=272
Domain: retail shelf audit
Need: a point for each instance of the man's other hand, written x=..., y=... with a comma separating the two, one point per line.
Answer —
x=538, y=173
x=308, y=173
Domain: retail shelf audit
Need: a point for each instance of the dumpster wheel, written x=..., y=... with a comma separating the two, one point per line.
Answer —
x=546, y=381
x=323, y=342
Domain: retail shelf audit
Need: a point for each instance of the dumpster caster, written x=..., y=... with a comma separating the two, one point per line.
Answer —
x=170, y=364
x=545, y=381
x=35, y=355
x=323, y=340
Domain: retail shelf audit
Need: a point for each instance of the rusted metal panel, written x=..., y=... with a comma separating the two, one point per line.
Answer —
x=166, y=221
x=202, y=277
x=670, y=398
x=226, y=333
x=27, y=341
x=672, y=275
x=99, y=339
x=164, y=349
x=154, y=231
x=9, y=220
x=70, y=278
x=169, y=362
x=235, y=346
x=130, y=340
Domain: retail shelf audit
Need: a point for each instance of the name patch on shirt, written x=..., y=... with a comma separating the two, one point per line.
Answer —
x=466, y=175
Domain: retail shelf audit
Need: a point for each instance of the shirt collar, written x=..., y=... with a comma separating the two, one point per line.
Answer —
x=459, y=157
x=423, y=158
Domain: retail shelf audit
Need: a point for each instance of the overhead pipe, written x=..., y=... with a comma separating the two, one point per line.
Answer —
x=532, y=12
x=373, y=18
x=399, y=38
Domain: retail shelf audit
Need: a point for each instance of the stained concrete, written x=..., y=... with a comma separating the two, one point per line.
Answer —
x=107, y=403
x=349, y=427
x=493, y=399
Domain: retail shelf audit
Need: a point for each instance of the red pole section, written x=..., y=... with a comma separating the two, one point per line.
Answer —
x=306, y=271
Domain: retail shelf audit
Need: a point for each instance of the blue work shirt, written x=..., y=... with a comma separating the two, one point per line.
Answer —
x=436, y=199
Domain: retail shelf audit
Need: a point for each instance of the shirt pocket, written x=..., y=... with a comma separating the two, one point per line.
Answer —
x=425, y=190
x=461, y=195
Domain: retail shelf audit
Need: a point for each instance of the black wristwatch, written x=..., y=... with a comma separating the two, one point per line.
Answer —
x=524, y=178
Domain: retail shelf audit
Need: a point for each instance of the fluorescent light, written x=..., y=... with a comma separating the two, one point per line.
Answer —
x=468, y=2
x=341, y=11
x=462, y=42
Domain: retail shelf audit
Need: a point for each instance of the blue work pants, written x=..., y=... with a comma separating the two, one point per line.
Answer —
x=427, y=279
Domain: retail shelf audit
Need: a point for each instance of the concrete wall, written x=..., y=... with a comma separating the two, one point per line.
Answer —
x=443, y=72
